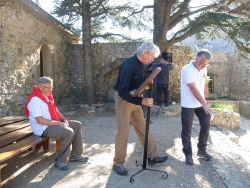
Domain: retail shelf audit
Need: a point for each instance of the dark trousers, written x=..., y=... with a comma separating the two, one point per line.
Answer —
x=186, y=121
x=162, y=89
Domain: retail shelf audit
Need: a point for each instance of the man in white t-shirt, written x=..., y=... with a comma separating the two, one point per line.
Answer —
x=194, y=92
x=46, y=120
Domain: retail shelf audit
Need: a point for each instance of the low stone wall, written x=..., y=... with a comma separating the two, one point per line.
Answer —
x=241, y=107
x=235, y=104
x=226, y=119
x=244, y=109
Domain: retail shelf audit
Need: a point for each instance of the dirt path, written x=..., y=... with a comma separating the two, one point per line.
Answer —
x=99, y=131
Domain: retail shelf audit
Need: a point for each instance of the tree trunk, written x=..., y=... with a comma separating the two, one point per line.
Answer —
x=162, y=11
x=86, y=43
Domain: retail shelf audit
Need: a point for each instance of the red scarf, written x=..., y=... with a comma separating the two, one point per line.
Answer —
x=48, y=100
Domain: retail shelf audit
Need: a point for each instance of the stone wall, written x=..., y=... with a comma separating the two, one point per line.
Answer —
x=106, y=61
x=219, y=69
x=24, y=37
x=231, y=76
x=239, y=82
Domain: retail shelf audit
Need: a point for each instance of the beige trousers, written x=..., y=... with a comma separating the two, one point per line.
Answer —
x=125, y=113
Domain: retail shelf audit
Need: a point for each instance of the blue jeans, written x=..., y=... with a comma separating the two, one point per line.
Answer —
x=186, y=121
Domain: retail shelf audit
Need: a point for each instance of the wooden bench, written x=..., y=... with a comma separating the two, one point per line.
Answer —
x=16, y=137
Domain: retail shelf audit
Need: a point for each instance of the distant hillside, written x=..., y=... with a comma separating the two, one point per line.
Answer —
x=215, y=45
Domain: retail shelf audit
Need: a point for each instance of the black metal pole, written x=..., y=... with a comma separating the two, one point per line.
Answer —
x=147, y=131
x=144, y=166
x=146, y=139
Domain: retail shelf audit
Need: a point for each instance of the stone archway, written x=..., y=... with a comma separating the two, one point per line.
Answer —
x=46, y=66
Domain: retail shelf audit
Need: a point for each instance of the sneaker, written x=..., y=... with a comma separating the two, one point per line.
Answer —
x=189, y=159
x=203, y=154
x=157, y=160
x=61, y=166
x=121, y=170
x=78, y=158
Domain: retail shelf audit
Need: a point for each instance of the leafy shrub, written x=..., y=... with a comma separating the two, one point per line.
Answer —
x=222, y=106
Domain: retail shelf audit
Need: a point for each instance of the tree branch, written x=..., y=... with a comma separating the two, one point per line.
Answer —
x=241, y=8
x=95, y=6
x=106, y=35
x=139, y=11
x=175, y=21
x=182, y=9
x=110, y=10
x=174, y=40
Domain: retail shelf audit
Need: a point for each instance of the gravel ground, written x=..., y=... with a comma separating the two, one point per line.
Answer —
x=230, y=166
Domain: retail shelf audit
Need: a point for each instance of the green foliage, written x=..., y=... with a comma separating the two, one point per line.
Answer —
x=221, y=18
x=105, y=14
x=223, y=106
x=237, y=29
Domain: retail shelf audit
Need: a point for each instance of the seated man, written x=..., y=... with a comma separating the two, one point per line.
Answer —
x=46, y=120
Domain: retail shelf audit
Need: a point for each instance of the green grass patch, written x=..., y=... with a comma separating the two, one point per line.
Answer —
x=222, y=106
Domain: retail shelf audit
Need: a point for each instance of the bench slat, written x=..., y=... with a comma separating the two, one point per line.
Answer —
x=15, y=136
x=13, y=127
x=11, y=119
x=19, y=147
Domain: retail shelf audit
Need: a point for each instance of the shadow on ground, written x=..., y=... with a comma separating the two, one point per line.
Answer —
x=99, y=130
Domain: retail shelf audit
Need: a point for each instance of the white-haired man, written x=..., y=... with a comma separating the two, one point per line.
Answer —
x=46, y=120
x=128, y=109
x=194, y=92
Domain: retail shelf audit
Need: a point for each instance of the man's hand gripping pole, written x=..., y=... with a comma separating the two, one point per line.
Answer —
x=148, y=81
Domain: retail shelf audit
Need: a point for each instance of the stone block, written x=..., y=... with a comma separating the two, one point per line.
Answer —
x=172, y=110
x=226, y=119
x=244, y=109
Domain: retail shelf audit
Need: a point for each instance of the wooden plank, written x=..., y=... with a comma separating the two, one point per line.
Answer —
x=15, y=136
x=19, y=147
x=11, y=119
x=58, y=145
x=13, y=127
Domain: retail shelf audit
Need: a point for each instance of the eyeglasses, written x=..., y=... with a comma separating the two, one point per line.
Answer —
x=46, y=87
x=203, y=64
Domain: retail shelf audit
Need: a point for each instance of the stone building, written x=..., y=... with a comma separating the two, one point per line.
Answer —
x=32, y=44
x=229, y=74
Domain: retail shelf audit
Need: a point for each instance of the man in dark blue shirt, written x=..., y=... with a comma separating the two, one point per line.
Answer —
x=162, y=79
x=128, y=109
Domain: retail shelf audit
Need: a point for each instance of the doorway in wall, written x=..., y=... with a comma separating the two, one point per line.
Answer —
x=46, y=67
x=211, y=83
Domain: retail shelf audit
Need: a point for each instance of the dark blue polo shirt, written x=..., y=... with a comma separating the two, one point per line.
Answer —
x=131, y=75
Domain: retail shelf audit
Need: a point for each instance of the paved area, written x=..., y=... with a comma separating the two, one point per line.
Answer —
x=230, y=166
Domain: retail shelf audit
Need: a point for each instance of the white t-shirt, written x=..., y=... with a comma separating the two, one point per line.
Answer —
x=37, y=108
x=190, y=74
